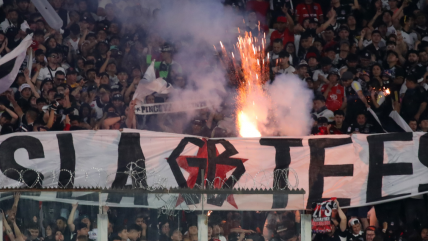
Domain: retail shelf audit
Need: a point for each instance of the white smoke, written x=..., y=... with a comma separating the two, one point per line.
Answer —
x=291, y=104
x=194, y=27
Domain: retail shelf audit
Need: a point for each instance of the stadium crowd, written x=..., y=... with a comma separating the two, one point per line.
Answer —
x=29, y=220
x=353, y=54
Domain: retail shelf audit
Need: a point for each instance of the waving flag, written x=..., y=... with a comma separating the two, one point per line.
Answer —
x=150, y=84
x=11, y=62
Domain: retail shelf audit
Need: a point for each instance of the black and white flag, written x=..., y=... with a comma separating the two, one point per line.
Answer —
x=11, y=62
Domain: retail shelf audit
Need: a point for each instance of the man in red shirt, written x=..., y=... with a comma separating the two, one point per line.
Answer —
x=285, y=29
x=309, y=9
x=333, y=92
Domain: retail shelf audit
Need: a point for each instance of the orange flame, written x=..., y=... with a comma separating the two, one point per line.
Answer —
x=255, y=75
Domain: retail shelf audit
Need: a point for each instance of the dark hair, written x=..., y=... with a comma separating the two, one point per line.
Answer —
x=119, y=228
x=134, y=227
x=63, y=219
x=32, y=113
x=412, y=78
x=278, y=41
x=339, y=112
x=380, y=66
x=412, y=119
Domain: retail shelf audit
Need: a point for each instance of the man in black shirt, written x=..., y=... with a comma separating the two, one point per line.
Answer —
x=338, y=126
x=362, y=126
x=415, y=100
x=412, y=66
x=395, y=71
x=355, y=234
x=374, y=47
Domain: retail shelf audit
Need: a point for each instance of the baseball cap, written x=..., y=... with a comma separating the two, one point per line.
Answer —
x=302, y=64
x=344, y=41
x=39, y=52
x=333, y=73
x=352, y=58
x=58, y=96
x=347, y=76
x=313, y=20
x=365, y=54
x=391, y=52
x=311, y=55
x=81, y=225
x=71, y=71
x=281, y=19
x=23, y=86
x=115, y=88
x=319, y=97
x=325, y=61
x=198, y=122
x=166, y=48
x=117, y=97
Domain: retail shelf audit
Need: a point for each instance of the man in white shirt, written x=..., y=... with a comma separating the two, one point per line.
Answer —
x=51, y=68
x=320, y=110
x=284, y=64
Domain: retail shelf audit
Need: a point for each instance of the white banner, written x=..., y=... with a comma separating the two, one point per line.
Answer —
x=169, y=107
x=359, y=170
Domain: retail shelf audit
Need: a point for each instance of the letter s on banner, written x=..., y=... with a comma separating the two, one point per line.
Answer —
x=12, y=169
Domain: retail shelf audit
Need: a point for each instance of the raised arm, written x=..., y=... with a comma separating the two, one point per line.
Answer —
x=27, y=78
x=7, y=228
x=378, y=13
x=342, y=216
x=18, y=233
x=70, y=220
x=103, y=68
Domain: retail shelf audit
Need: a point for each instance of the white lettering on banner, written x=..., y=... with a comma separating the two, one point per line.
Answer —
x=357, y=170
x=169, y=107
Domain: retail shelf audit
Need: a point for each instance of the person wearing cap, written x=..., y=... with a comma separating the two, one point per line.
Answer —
x=365, y=59
x=51, y=68
x=284, y=64
x=375, y=47
x=333, y=92
x=40, y=58
x=321, y=110
x=25, y=90
x=355, y=100
x=412, y=65
x=414, y=102
x=309, y=9
x=71, y=78
x=302, y=70
x=344, y=51
x=320, y=75
x=356, y=232
x=119, y=105
x=284, y=29
x=306, y=47
x=168, y=65
x=391, y=66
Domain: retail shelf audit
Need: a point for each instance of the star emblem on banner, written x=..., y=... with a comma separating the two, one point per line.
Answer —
x=220, y=173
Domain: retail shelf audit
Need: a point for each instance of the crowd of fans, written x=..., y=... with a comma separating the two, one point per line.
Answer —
x=29, y=220
x=354, y=55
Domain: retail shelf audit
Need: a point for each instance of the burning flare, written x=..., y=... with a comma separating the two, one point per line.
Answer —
x=255, y=72
x=246, y=127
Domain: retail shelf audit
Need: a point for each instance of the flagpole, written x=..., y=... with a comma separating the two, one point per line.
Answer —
x=30, y=62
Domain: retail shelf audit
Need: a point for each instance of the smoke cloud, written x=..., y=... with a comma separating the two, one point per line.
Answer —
x=194, y=27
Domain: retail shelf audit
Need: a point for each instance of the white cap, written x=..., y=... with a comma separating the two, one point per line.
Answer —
x=23, y=86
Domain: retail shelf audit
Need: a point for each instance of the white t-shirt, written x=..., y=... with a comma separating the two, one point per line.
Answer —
x=45, y=73
x=328, y=114
x=409, y=39
x=289, y=70
x=391, y=30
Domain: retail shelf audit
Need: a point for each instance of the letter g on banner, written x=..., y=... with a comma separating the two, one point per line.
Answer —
x=12, y=169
